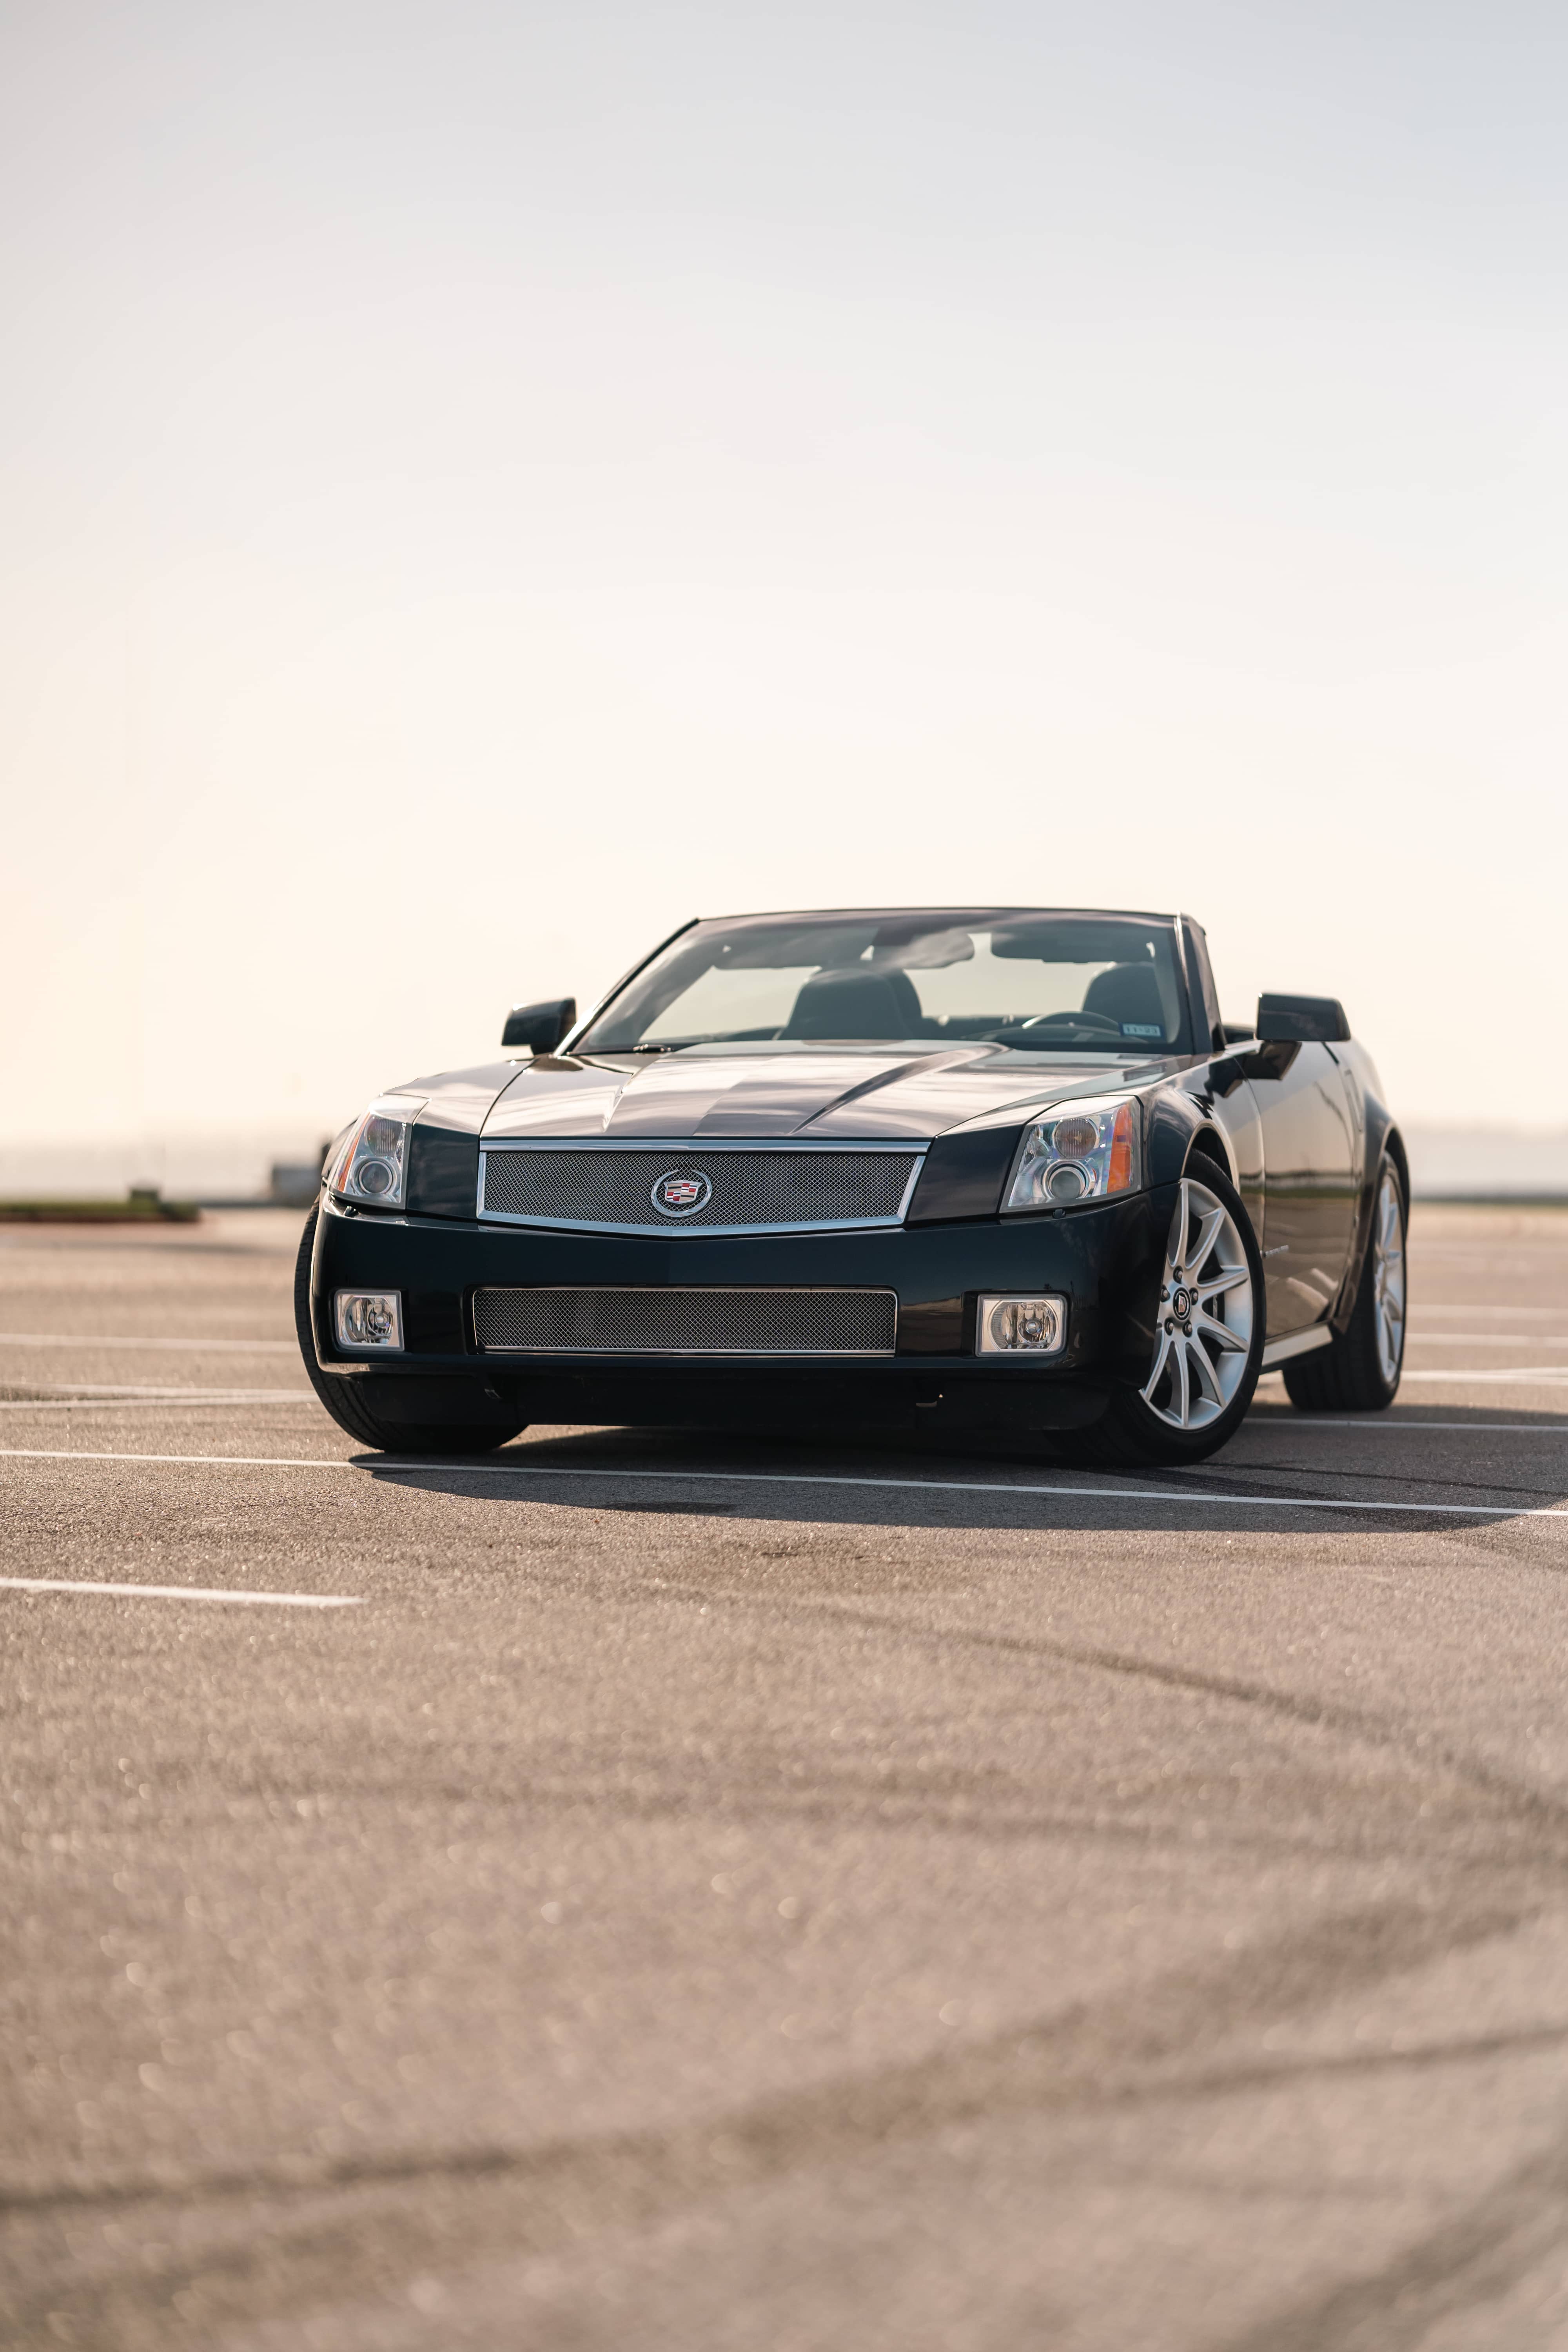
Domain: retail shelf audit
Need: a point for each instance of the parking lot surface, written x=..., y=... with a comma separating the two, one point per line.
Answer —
x=674, y=1894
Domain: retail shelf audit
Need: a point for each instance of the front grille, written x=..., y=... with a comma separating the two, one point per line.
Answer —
x=689, y=1322
x=766, y=1191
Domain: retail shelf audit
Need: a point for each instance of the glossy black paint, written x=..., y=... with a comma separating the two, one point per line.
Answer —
x=963, y=1175
x=1297, y=1122
x=443, y=1173
x=1104, y=1258
x=540, y=1027
x=1320, y=1019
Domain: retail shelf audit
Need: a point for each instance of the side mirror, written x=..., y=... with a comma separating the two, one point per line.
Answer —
x=1302, y=1021
x=540, y=1027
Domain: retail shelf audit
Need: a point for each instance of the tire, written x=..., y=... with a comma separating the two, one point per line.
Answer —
x=1359, y=1371
x=1161, y=1421
x=355, y=1418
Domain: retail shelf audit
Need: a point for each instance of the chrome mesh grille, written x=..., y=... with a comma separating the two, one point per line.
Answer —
x=689, y=1322
x=767, y=1191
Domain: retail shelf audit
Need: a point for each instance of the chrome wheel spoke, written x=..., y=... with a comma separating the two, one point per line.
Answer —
x=1388, y=1278
x=1175, y=1248
x=1208, y=1313
x=1208, y=1386
x=1181, y=1387
x=1208, y=1233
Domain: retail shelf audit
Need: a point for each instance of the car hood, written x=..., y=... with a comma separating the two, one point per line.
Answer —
x=871, y=1092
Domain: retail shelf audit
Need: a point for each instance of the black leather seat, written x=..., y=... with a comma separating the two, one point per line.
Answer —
x=1128, y=991
x=859, y=1005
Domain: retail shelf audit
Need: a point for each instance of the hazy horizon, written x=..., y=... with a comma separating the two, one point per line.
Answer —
x=481, y=487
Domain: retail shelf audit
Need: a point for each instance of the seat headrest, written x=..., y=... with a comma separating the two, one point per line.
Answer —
x=1128, y=991
x=859, y=1005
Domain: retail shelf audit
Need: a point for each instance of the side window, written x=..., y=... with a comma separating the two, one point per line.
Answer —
x=1206, y=997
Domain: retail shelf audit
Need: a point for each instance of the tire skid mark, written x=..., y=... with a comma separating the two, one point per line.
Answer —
x=1137, y=2044
x=309, y=2177
x=1325, y=1715
x=1472, y=2259
x=1551, y=1487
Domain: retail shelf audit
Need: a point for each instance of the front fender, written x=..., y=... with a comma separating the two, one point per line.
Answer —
x=1382, y=1135
x=1175, y=1124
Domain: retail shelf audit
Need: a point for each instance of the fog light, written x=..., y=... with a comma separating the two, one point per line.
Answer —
x=1009, y=1327
x=369, y=1318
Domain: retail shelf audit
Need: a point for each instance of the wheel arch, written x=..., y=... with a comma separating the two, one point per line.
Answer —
x=1179, y=1129
x=1211, y=1143
x=1394, y=1144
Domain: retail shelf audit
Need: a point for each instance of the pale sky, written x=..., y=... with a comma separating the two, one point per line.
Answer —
x=480, y=483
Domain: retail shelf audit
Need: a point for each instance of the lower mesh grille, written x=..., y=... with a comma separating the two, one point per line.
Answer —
x=689, y=1322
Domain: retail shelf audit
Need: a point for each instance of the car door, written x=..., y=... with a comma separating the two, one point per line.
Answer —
x=1311, y=1180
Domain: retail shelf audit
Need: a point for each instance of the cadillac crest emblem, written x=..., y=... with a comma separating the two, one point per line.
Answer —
x=681, y=1191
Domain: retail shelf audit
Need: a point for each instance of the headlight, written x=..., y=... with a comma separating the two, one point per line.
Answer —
x=373, y=1159
x=1081, y=1153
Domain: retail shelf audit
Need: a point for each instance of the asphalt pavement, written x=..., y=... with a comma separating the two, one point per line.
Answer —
x=675, y=1893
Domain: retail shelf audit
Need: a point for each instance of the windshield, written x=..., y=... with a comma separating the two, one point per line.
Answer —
x=1042, y=982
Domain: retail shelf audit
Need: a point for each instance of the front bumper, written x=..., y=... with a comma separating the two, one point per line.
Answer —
x=1104, y=1259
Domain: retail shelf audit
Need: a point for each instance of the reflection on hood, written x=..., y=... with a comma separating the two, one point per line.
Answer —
x=870, y=1092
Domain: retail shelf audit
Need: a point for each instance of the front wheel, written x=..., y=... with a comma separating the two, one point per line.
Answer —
x=1359, y=1371
x=1208, y=1334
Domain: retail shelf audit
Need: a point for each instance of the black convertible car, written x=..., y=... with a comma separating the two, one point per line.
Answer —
x=971, y=1168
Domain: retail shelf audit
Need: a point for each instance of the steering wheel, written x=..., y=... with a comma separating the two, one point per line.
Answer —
x=1099, y=1023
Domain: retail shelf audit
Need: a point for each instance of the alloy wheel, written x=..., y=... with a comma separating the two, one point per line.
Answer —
x=1207, y=1309
x=1388, y=1276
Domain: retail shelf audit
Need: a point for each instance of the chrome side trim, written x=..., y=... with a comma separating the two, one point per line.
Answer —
x=1295, y=1343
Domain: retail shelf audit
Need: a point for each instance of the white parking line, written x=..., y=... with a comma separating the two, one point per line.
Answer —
x=1497, y=1314
x=164, y=1393
x=1419, y=1338
x=184, y=1593
x=159, y=1403
x=200, y=1347
x=1519, y=1376
x=1290, y=1424
x=468, y=1468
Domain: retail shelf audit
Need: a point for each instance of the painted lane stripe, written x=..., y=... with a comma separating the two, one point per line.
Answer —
x=184, y=1593
x=1287, y=1424
x=1419, y=1338
x=199, y=1347
x=199, y=1461
x=1499, y=1314
x=401, y=1464
x=154, y=1405
x=162, y=1391
x=1519, y=1376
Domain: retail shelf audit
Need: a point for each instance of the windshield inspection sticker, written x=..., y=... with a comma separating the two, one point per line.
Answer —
x=1141, y=1029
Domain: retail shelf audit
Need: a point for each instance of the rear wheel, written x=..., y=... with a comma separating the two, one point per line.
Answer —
x=1359, y=1371
x=350, y=1411
x=1208, y=1334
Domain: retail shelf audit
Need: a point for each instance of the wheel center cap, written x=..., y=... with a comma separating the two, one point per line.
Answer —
x=1181, y=1304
